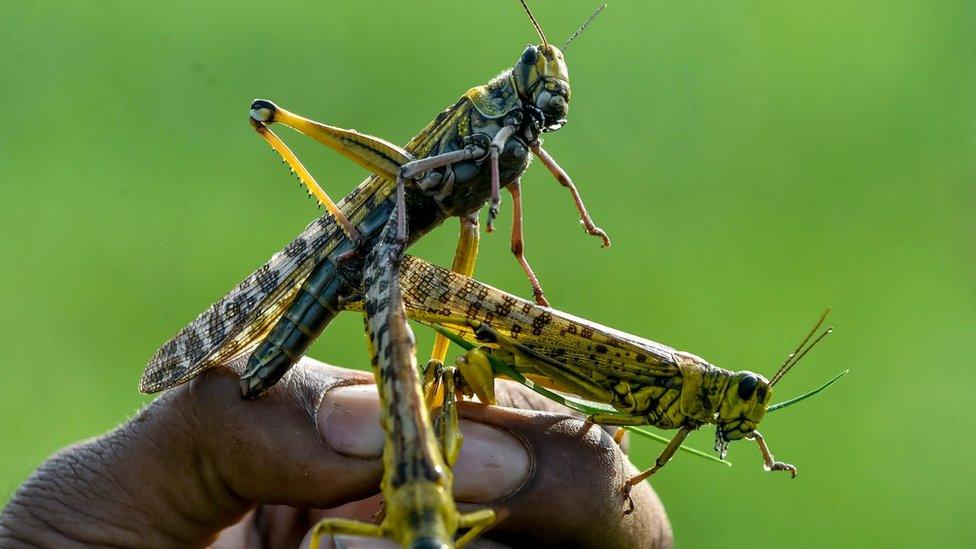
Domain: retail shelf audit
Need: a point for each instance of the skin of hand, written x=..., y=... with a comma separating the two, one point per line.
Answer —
x=198, y=466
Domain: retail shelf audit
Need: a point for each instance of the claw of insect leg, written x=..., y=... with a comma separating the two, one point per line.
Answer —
x=630, y=500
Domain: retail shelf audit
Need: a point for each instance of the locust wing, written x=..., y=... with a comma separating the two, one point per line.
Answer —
x=233, y=326
x=583, y=348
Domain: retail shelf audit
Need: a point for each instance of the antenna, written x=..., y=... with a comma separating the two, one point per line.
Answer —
x=538, y=29
x=800, y=352
x=792, y=401
x=585, y=24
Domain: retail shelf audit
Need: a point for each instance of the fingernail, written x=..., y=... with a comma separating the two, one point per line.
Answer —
x=492, y=465
x=349, y=421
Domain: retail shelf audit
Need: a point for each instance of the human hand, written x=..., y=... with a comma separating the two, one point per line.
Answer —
x=200, y=466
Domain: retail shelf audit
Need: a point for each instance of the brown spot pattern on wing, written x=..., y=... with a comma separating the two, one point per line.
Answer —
x=229, y=327
x=214, y=335
x=586, y=348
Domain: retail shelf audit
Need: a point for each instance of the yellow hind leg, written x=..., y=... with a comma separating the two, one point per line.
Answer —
x=333, y=526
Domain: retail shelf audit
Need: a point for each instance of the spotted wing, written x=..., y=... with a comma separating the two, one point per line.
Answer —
x=233, y=326
x=583, y=348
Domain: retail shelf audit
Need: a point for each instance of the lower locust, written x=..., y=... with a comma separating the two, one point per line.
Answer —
x=419, y=508
x=644, y=382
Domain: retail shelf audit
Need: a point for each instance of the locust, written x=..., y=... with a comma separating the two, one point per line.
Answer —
x=419, y=509
x=452, y=168
x=458, y=163
x=645, y=382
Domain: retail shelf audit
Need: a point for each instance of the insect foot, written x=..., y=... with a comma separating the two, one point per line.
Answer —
x=781, y=466
x=769, y=463
x=628, y=486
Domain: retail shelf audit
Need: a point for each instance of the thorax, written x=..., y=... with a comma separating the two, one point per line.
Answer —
x=465, y=187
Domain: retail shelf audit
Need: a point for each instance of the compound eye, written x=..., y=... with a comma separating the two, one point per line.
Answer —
x=747, y=387
x=530, y=55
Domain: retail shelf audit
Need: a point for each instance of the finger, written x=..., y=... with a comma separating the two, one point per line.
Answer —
x=349, y=422
x=270, y=450
x=554, y=478
x=349, y=419
x=574, y=495
x=192, y=462
x=515, y=395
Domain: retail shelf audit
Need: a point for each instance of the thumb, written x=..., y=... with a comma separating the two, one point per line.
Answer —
x=191, y=463
x=315, y=439
x=272, y=450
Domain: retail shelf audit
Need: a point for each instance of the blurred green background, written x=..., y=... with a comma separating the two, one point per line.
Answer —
x=753, y=162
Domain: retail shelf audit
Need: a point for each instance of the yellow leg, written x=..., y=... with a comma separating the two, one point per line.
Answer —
x=446, y=425
x=478, y=521
x=431, y=382
x=665, y=456
x=332, y=526
x=618, y=436
x=445, y=388
x=465, y=257
x=476, y=370
x=376, y=155
x=615, y=419
x=306, y=178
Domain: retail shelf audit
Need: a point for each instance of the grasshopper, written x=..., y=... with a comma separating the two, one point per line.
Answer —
x=647, y=383
x=456, y=165
x=452, y=168
x=416, y=485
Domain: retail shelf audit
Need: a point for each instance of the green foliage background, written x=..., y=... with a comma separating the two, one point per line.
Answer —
x=753, y=162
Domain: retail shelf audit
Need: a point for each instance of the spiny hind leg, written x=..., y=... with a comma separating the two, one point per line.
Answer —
x=302, y=172
x=338, y=526
x=376, y=155
x=379, y=156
